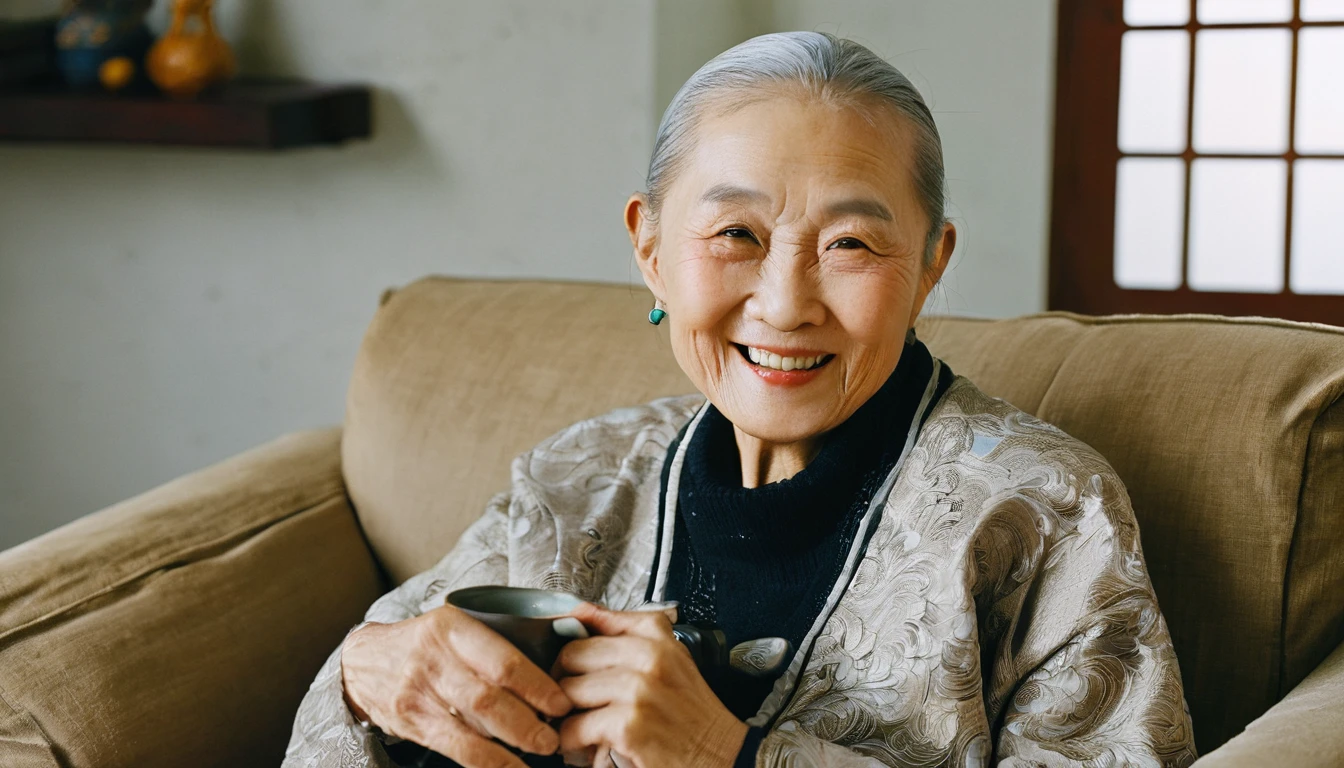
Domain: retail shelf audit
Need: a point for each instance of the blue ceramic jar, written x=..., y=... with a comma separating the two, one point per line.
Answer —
x=90, y=32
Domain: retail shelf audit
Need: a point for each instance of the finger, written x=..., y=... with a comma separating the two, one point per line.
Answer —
x=496, y=660
x=580, y=657
x=495, y=711
x=583, y=758
x=602, y=728
x=669, y=608
x=602, y=759
x=602, y=688
x=653, y=625
x=469, y=719
x=454, y=739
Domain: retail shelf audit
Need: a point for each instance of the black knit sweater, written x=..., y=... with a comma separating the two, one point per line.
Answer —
x=761, y=562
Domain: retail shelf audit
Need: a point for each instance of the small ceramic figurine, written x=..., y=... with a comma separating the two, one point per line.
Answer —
x=90, y=32
x=191, y=56
x=116, y=73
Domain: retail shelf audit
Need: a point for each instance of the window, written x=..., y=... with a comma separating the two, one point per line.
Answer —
x=1199, y=158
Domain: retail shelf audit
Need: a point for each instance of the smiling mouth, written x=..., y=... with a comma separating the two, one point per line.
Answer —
x=770, y=361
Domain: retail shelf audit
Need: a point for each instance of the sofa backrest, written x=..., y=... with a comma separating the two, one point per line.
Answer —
x=455, y=378
x=1229, y=435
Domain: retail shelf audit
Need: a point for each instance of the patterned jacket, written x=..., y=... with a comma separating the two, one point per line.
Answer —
x=995, y=608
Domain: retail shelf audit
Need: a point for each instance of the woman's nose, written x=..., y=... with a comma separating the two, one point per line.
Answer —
x=787, y=296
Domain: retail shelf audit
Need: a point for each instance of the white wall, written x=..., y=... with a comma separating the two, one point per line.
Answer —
x=163, y=309
x=986, y=68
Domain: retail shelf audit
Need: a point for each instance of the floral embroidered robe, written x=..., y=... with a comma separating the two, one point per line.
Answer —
x=1000, y=611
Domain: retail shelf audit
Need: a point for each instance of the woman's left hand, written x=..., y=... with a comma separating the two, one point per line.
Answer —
x=644, y=697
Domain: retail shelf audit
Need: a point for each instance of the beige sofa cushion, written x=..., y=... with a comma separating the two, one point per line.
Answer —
x=182, y=627
x=1220, y=429
x=455, y=378
x=1229, y=435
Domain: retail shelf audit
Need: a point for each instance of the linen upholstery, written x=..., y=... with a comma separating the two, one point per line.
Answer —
x=1229, y=435
x=456, y=378
x=182, y=626
x=1222, y=429
x=295, y=587
x=1297, y=730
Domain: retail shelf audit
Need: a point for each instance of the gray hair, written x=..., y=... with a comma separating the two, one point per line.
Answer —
x=829, y=67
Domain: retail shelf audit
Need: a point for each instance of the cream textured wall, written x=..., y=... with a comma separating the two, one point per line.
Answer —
x=161, y=309
x=986, y=68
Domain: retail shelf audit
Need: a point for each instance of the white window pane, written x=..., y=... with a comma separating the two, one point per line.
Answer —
x=1320, y=90
x=1154, y=77
x=1148, y=13
x=1149, y=213
x=1318, y=227
x=1237, y=11
x=1236, y=225
x=1241, y=90
x=1322, y=10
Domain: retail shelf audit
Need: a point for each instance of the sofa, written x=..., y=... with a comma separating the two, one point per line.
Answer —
x=183, y=626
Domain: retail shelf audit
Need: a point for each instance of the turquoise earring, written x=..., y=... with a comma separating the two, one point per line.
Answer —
x=657, y=314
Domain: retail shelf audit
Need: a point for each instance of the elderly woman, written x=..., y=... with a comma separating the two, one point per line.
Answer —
x=960, y=583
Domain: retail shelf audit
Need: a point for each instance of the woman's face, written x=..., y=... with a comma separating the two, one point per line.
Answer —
x=789, y=252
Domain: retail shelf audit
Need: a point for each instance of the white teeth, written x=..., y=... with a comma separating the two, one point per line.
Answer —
x=771, y=360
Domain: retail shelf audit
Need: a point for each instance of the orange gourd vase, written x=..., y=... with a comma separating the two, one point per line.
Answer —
x=192, y=56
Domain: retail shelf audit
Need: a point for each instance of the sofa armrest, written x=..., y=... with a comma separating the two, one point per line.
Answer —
x=183, y=626
x=1303, y=730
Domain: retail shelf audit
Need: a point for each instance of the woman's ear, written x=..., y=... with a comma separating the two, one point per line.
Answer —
x=932, y=273
x=643, y=236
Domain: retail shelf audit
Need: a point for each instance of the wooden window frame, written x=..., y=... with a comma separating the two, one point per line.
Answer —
x=1087, y=154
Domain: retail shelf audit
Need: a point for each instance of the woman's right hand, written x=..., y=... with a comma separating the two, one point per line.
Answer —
x=450, y=683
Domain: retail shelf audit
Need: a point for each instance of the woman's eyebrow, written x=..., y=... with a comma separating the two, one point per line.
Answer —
x=855, y=206
x=730, y=193
x=860, y=206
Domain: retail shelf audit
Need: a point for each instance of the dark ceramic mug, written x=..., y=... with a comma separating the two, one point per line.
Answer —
x=536, y=621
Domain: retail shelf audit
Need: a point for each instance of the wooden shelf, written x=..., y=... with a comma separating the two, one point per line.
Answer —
x=253, y=114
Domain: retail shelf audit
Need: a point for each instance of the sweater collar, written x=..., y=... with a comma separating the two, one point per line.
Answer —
x=724, y=519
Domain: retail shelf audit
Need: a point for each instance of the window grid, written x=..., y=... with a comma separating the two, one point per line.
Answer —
x=1189, y=155
x=1087, y=156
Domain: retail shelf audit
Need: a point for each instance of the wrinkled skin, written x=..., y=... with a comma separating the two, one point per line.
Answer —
x=795, y=223
x=450, y=683
x=642, y=696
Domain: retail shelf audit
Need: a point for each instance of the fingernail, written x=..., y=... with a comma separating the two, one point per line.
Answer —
x=569, y=627
x=561, y=705
x=547, y=742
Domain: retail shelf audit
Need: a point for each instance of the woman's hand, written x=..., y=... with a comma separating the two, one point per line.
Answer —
x=646, y=700
x=448, y=682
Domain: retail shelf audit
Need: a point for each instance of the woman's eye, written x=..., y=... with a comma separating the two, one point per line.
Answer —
x=848, y=243
x=738, y=233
